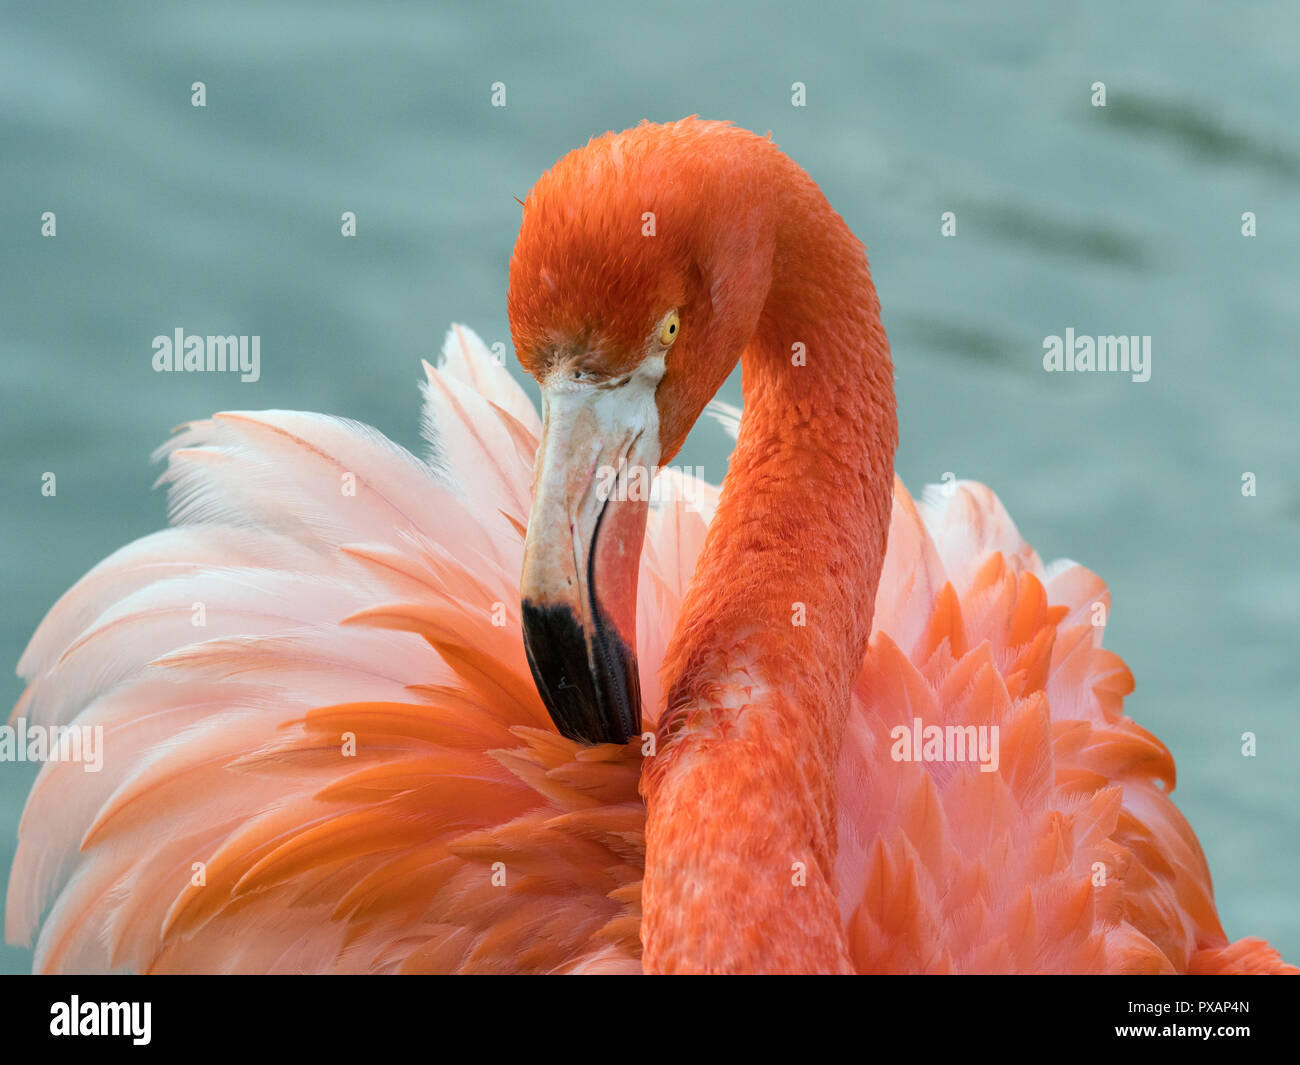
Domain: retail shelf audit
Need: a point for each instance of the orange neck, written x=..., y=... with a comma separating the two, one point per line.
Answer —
x=741, y=801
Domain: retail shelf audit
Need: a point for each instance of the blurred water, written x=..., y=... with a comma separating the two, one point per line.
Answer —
x=1117, y=220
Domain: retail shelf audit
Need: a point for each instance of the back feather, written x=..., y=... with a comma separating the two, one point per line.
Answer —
x=324, y=751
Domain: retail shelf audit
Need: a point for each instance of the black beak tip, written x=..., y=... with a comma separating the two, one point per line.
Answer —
x=590, y=687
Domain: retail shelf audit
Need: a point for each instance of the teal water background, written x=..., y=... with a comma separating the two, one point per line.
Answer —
x=1117, y=220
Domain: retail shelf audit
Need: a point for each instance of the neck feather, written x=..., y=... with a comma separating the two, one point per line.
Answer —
x=741, y=800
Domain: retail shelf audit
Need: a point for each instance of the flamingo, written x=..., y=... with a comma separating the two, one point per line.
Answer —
x=342, y=733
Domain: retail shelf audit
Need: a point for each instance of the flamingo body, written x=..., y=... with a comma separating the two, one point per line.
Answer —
x=347, y=766
x=225, y=744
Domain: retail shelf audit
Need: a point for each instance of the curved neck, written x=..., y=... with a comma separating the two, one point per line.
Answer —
x=741, y=801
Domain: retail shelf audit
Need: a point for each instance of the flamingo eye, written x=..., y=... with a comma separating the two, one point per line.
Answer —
x=669, y=330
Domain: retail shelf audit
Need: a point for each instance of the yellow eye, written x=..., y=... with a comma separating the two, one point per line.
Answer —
x=671, y=327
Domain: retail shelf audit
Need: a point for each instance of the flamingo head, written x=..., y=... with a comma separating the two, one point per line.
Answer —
x=631, y=297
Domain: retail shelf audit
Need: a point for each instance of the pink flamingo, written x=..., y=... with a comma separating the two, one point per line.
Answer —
x=348, y=767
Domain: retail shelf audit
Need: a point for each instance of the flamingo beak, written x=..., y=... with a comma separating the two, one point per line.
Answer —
x=583, y=552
